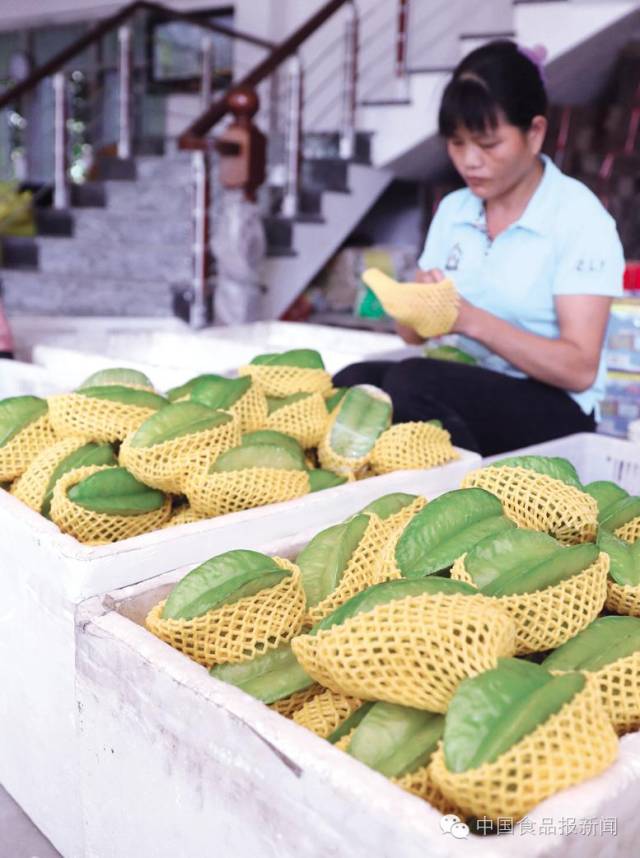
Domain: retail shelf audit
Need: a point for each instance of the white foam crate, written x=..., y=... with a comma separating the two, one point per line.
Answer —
x=21, y=379
x=595, y=457
x=223, y=349
x=45, y=575
x=176, y=764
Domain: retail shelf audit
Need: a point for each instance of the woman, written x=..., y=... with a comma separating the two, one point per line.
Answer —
x=536, y=260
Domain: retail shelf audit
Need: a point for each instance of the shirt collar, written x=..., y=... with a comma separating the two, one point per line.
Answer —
x=534, y=217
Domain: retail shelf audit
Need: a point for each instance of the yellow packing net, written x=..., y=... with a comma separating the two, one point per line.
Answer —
x=231, y=491
x=284, y=381
x=429, y=308
x=540, y=502
x=183, y=515
x=288, y=706
x=94, y=419
x=304, y=420
x=623, y=599
x=31, y=487
x=414, y=445
x=413, y=651
x=575, y=744
x=250, y=410
x=18, y=453
x=333, y=461
x=326, y=712
x=419, y=783
x=399, y=520
x=239, y=631
x=97, y=528
x=550, y=617
x=168, y=466
x=362, y=570
x=630, y=531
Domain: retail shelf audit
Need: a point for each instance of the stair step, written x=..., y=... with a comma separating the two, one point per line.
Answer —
x=279, y=232
x=328, y=174
x=177, y=165
x=37, y=293
x=19, y=252
x=88, y=195
x=116, y=227
x=167, y=263
x=326, y=144
x=118, y=169
x=166, y=199
x=54, y=222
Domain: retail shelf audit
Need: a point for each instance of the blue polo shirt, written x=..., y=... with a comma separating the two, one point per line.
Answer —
x=565, y=243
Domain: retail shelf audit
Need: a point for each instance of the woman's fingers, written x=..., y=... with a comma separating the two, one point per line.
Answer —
x=433, y=275
x=408, y=335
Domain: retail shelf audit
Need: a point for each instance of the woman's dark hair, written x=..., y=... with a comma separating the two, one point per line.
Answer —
x=495, y=78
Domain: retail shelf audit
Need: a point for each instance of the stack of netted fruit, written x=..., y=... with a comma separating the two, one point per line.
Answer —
x=481, y=650
x=115, y=458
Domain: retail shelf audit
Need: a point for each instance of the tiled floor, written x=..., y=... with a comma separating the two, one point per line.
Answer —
x=19, y=838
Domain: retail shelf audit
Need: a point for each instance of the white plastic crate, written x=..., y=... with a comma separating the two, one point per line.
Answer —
x=595, y=457
x=175, y=763
x=223, y=349
x=45, y=575
x=21, y=379
x=70, y=367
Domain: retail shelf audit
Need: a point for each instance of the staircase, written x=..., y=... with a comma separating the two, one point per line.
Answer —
x=124, y=246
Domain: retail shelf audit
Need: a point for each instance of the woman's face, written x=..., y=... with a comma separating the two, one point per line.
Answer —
x=495, y=160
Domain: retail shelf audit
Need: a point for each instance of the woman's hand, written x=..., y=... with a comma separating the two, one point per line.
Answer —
x=434, y=275
x=468, y=319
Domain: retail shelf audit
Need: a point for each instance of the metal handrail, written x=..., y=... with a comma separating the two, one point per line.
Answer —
x=101, y=29
x=192, y=136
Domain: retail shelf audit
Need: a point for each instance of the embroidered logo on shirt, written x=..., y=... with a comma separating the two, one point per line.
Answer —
x=592, y=266
x=453, y=260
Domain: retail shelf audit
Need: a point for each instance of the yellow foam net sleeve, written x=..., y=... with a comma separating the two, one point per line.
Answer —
x=231, y=491
x=412, y=651
x=304, y=420
x=183, y=515
x=419, y=783
x=623, y=599
x=619, y=684
x=362, y=570
x=18, y=453
x=167, y=466
x=630, y=531
x=333, y=461
x=240, y=631
x=412, y=445
x=540, y=502
x=285, y=380
x=550, y=617
x=251, y=409
x=429, y=308
x=326, y=712
x=288, y=706
x=395, y=523
x=31, y=487
x=98, y=528
x=574, y=744
x=94, y=419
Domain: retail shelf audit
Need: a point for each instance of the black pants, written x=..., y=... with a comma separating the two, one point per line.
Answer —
x=483, y=410
x=7, y=355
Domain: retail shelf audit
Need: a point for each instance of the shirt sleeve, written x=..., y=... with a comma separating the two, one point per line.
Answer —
x=435, y=247
x=592, y=261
